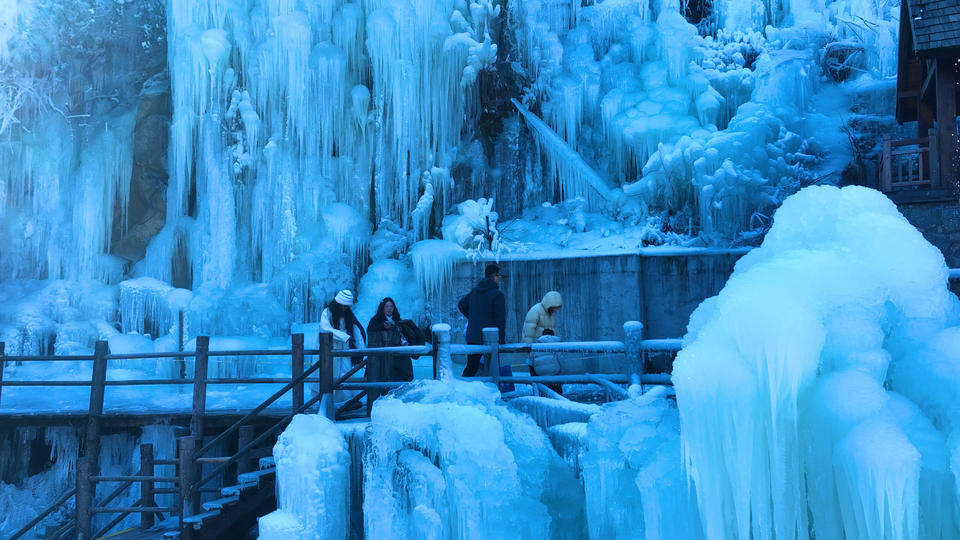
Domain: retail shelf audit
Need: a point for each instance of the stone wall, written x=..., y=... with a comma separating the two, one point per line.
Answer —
x=659, y=288
x=939, y=221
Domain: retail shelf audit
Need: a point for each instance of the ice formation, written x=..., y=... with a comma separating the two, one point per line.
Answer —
x=632, y=476
x=447, y=459
x=817, y=390
x=309, y=140
x=119, y=455
x=313, y=482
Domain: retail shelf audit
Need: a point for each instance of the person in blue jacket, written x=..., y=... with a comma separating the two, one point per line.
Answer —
x=484, y=307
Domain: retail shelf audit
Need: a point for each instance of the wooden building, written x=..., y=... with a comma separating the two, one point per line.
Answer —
x=927, y=93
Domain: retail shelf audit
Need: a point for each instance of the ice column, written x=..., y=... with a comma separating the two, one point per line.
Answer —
x=313, y=482
x=788, y=430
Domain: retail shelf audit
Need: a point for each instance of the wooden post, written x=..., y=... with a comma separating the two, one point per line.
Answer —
x=491, y=338
x=244, y=437
x=886, y=166
x=146, y=486
x=933, y=146
x=326, y=375
x=181, y=362
x=95, y=410
x=433, y=354
x=632, y=341
x=85, y=490
x=2, y=354
x=946, y=91
x=296, y=362
x=441, y=351
x=199, y=387
x=189, y=499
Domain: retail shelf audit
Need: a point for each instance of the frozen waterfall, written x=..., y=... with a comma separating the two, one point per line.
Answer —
x=815, y=398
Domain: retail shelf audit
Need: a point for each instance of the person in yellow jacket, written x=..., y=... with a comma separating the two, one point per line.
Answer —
x=542, y=316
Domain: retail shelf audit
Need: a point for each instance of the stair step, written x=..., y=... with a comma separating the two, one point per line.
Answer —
x=198, y=519
x=253, y=478
x=220, y=503
x=171, y=534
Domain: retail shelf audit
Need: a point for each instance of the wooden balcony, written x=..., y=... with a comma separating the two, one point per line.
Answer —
x=909, y=164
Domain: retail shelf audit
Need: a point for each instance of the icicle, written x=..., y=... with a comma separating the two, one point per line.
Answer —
x=433, y=264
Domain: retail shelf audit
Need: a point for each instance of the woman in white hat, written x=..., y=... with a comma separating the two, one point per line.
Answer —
x=338, y=319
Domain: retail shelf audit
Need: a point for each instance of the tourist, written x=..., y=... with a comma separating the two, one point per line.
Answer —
x=338, y=319
x=484, y=307
x=547, y=363
x=387, y=329
x=542, y=316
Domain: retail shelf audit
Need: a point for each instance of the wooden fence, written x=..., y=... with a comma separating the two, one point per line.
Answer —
x=188, y=484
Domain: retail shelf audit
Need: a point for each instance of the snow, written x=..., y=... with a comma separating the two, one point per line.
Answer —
x=313, y=482
x=788, y=365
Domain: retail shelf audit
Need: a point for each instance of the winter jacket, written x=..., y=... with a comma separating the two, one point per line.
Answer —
x=484, y=307
x=547, y=363
x=400, y=368
x=356, y=338
x=539, y=319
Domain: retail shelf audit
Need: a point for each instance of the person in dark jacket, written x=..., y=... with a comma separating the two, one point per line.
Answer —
x=386, y=329
x=484, y=307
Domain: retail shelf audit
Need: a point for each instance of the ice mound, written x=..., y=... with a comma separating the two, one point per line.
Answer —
x=313, y=482
x=448, y=459
x=632, y=475
x=785, y=385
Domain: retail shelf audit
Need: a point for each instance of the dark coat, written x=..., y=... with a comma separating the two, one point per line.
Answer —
x=400, y=368
x=484, y=307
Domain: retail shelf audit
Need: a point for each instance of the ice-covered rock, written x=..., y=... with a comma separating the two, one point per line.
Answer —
x=313, y=482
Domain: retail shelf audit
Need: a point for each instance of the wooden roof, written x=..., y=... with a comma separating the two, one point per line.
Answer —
x=935, y=24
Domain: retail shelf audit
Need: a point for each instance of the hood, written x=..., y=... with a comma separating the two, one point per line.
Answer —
x=551, y=299
x=548, y=339
x=487, y=284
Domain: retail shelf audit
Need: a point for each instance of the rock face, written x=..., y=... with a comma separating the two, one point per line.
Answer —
x=148, y=182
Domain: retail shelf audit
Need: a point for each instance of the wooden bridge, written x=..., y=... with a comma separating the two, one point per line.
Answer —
x=220, y=496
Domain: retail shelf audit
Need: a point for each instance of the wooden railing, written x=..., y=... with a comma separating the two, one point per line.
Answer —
x=189, y=484
x=908, y=163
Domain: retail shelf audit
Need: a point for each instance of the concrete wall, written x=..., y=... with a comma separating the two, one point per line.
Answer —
x=659, y=288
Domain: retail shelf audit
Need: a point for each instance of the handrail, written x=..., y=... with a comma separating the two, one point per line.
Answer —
x=43, y=515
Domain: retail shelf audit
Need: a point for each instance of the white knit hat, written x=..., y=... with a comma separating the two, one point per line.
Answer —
x=344, y=298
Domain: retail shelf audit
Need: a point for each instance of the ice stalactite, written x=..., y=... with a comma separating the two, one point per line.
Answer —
x=652, y=103
x=788, y=426
x=313, y=482
x=433, y=264
x=289, y=117
x=632, y=475
x=446, y=459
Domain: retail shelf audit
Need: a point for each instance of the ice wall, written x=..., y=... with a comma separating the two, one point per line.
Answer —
x=447, y=459
x=813, y=389
x=720, y=121
x=68, y=92
x=313, y=482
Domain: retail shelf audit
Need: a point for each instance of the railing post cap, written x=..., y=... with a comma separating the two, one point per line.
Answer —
x=632, y=326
